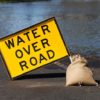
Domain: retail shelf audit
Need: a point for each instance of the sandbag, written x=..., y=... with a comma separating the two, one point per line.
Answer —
x=78, y=72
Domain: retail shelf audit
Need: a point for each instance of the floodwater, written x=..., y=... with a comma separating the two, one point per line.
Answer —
x=79, y=22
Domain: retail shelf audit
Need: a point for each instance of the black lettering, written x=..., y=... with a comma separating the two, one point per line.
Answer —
x=45, y=42
x=33, y=61
x=23, y=64
x=42, y=58
x=27, y=35
x=19, y=54
x=34, y=45
x=35, y=33
x=45, y=28
x=19, y=40
x=50, y=54
x=27, y=50
x=10, y=43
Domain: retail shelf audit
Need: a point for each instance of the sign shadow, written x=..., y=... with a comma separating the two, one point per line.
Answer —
x=39, y=76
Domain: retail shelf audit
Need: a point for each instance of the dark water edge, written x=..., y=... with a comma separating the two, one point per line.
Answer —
x=16, y=1
x=73, y=1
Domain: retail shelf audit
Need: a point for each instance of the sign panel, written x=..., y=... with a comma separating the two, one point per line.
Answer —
x=32, y=48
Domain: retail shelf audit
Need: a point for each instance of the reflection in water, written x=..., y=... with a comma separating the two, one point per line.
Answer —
x=79, y=22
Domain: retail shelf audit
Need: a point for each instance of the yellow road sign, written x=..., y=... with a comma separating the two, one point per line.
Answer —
x=32, y=48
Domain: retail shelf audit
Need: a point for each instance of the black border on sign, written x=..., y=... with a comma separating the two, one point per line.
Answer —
x=16, y=33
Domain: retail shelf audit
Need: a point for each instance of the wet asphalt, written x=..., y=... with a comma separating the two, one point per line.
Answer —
x=47, y=83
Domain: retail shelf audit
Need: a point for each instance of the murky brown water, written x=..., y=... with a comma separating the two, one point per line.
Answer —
x=79, y=22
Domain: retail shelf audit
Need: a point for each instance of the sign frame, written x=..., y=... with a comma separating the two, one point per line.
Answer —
x=13, y=34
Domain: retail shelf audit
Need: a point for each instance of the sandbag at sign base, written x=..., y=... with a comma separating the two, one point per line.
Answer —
x=78, y=72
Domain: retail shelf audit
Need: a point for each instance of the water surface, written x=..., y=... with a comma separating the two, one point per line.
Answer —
x=79, y=22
